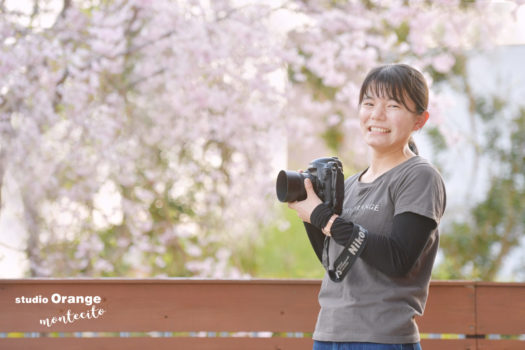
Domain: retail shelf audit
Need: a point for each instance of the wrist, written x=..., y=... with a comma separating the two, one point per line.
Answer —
x=320, y=216
x=327, y=229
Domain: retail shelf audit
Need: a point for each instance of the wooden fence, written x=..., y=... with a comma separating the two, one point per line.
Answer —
x=232, y=314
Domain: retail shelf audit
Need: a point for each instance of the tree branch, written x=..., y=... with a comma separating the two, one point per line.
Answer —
x=12, y=248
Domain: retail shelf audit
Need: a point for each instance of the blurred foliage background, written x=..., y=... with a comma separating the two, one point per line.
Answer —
x=143, y=138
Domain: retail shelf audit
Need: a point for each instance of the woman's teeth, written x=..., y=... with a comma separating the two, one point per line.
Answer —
x=376, y=129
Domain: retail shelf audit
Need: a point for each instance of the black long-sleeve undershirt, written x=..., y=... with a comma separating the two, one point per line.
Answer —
x=394, y=255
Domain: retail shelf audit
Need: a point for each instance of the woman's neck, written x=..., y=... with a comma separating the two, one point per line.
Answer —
x=381, y=162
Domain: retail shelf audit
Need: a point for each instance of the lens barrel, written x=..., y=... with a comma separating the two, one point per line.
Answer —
x=290, y=186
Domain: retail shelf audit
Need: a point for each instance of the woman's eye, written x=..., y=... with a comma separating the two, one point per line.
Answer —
x=393, y=106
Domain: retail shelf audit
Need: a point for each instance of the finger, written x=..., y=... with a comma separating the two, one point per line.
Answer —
x=308, y=185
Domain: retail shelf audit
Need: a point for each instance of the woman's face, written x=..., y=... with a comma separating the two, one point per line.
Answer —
x=387, y=124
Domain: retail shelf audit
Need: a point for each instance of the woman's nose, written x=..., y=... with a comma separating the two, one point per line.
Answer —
x=378, y=113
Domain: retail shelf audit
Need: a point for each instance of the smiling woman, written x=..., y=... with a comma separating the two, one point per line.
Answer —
x=374, y=305
x=393, y=102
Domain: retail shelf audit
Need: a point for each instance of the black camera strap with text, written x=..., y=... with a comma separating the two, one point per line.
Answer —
x=348, y=256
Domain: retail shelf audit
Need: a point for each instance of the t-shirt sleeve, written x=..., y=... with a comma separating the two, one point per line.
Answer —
x=422, y=192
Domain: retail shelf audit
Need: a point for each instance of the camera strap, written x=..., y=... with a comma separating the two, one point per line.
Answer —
x=353, y=248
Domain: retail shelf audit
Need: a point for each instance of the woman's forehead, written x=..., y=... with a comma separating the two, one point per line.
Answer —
x=383, y=90
x=386, y=91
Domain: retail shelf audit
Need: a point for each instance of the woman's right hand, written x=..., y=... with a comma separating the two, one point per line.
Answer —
x=305, y=207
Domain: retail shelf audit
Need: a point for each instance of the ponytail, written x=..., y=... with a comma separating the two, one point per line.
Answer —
x=412, y=145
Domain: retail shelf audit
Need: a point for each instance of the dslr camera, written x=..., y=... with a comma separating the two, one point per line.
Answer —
x=326, y=175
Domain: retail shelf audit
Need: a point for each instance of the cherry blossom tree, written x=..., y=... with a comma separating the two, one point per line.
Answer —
x=342, y=40
x=141, y=135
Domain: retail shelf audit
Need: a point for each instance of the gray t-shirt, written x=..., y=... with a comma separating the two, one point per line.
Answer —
x=369, y=306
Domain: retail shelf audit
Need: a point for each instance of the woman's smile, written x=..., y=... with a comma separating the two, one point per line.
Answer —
x=378, y=130
x=386, y=124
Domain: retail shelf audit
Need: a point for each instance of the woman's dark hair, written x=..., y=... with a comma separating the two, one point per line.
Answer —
x=397, y=82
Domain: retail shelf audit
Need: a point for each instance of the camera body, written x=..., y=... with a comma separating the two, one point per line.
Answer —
x=326, y=175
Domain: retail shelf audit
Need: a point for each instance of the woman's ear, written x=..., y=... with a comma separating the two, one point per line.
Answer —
x=421, y=120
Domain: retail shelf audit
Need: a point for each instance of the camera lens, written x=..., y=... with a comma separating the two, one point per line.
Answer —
x=290, y=186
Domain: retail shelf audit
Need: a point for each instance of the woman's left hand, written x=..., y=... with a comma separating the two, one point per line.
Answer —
x=305, y=207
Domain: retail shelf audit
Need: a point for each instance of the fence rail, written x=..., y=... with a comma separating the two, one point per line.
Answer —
x=232, y=314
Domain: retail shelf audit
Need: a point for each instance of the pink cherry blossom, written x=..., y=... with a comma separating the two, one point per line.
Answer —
x=142, y=131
